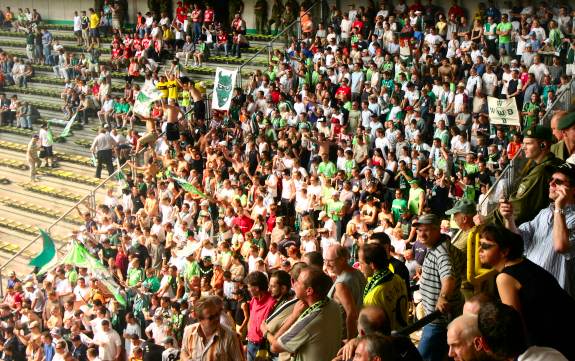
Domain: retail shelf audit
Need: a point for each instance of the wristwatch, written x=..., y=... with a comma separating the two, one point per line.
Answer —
x=559, y=210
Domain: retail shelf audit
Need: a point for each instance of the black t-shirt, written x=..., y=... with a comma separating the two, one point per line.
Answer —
x=151, y=351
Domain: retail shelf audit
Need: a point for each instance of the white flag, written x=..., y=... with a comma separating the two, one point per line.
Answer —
x=145, y=99
x=224, y=84
x=503, y=111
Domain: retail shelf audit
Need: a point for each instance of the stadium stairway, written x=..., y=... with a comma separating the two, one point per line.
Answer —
x=26, y=206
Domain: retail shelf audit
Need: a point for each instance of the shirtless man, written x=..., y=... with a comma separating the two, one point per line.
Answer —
x=199, y=104
x=150, y=136
x=171, y=115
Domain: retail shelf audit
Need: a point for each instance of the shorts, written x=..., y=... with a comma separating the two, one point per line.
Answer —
x=200, y=109
x=46, y=152
x=94, y=33
x=147, y=139
x=78, y=33
x=172, y=131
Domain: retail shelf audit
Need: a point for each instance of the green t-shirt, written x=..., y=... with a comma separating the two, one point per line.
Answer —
x=504, y=39
x=153, y=283
x=135, y=275
x=415, y=195
x=327, y=169
x=333, y=209
x=469, y=192
x=398, y=207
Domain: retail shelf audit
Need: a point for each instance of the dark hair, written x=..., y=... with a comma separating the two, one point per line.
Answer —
x=379, y=345
x=381, y=237
x=257, y=279
x=502, y=329
x=314, y=258
x=505, y=239
x=375, y=253
x=284, y=278
x=318, y=281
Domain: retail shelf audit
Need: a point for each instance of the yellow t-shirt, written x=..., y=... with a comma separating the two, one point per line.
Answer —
x=172, y=86
x=392, y=296
x=163, y=88
x=94, y=21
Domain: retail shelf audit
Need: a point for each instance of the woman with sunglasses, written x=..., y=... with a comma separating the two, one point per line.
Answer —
x=546, y=309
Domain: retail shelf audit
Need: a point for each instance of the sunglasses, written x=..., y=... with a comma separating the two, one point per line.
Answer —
x=557, y=181
x=486, y=246
x=213, y=317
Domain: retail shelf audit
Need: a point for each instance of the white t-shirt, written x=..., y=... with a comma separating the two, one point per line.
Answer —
x=159, y=332
x=108, y=343
x=536, y=353
x=77, y=23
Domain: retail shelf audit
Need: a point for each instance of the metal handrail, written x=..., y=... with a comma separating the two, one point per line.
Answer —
x=269, y=45
x=91, y=196
x=407, y=330
x=558, y=100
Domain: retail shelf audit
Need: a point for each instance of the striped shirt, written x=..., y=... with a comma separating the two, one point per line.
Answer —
x=538, y=239
x=224, y=345
x=441, y=261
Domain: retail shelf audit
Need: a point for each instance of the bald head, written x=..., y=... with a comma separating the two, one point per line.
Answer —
x=373, y=319
x=461, y=335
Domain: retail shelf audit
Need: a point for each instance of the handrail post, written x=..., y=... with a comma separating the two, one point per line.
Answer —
x=1, y=285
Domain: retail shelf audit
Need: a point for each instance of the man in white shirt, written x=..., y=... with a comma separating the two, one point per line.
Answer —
x=538, y=69
x=46, y=143
x=157, y=330
x=109, y=342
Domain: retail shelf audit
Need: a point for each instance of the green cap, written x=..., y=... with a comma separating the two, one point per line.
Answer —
x=538, y=132
x=464, y=205
x=566, y=121
x=427, y=219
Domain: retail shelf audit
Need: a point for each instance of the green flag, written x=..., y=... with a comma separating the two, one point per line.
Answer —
x=50, y=135
x=188, y=187
x=68, y=127
x=48, y=253
x=79, y=256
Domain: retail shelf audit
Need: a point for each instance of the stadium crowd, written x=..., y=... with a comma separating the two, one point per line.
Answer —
x=333, y=202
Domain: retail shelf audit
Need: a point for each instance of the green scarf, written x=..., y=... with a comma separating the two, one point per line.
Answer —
x=316, y=306
x=378, y=278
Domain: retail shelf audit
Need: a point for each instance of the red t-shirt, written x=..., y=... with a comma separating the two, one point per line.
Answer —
x=208, y=16
x=196, y=16
x=222, y=39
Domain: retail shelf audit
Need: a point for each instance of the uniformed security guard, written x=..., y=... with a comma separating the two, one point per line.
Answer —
x=261, y=12
x=564, y=148
x=532, y=194
x=277, y=11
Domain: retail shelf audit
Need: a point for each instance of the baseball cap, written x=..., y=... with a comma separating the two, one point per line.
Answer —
x=568, y=170
x=427, y=219
x=321, y=215
x=464, y=205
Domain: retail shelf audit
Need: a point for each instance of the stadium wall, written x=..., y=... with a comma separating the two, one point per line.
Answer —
x=62, y=11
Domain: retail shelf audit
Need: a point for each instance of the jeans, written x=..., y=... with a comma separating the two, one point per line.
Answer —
x=433, y=342
x=26, y=121
x=253, y=349
x=507, y=47
x=47, y=54
x=197, y=30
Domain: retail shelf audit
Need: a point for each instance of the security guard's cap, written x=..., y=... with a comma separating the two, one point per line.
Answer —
x=566, y=121
x=538, y=132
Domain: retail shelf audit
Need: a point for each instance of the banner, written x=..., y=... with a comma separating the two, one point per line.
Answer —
x=66, y=132
x=145, y=99
x=224, y=84
x=503, y=111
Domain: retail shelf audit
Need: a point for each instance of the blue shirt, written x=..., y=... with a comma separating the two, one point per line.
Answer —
x=538, y=239
x=49, y=352
x=46, y=38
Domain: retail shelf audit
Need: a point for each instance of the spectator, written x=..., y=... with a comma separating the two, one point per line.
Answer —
x=518, y=273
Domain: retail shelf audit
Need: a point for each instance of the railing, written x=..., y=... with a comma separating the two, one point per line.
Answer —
x=269, y=47
x=564, y=100
x=408, y=330
x=89, y=201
